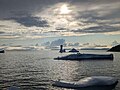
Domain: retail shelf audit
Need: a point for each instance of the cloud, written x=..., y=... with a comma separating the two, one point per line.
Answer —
x=73, y=44
x=57, y=42
x=97, y=45
x=86, y=16
x=9, y=36
x=28, y=6
x=99, y=18
x=92, y=1
x=54, y=43
x=29, y=21
x=103, y=12
x=115, y=43
x=86, y=44
x=2, y=32
x=46, y=44
x=97, y=29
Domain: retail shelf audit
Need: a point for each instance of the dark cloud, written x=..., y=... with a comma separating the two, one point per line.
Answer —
x=105, y=18
x=97, y=29
x=114, y=14
x=92, y=1
x=60, y=28
x=2, y=32
x=93, y=15
x=33, y=5
x=21, y=11
x=29, y=21
x=28, y=6
x=90, y=11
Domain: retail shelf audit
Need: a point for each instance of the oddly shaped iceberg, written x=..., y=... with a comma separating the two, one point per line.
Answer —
x=89, y=83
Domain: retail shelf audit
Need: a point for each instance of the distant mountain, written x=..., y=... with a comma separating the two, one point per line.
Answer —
x=115, y=49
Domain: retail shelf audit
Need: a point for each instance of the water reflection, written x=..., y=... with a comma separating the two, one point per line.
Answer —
x=74, y=70
x=34, y=70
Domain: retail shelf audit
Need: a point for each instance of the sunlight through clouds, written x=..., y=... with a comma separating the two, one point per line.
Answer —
x=64, y=9
x=70, y=17
x=63, y=18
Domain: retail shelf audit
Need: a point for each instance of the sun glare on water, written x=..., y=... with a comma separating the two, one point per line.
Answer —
x=64, y=9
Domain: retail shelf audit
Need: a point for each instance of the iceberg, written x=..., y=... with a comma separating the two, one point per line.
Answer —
x=79, y=56
x=89, y=83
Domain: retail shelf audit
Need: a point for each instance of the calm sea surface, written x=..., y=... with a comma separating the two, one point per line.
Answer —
x=33, y=70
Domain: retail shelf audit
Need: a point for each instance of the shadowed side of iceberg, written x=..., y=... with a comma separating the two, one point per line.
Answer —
x=86, y=57
x=2, y=51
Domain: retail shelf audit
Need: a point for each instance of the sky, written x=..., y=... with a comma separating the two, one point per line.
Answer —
x=95, y=21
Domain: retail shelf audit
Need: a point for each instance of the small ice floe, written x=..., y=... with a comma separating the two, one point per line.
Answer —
x=89, y=83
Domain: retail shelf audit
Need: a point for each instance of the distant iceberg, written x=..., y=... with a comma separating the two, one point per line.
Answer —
x=115, y=49
x=73, y=50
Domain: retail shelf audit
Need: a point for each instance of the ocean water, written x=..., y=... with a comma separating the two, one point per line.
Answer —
x=34, y=70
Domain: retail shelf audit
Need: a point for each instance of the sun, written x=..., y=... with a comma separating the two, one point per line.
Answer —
x=64, y=9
